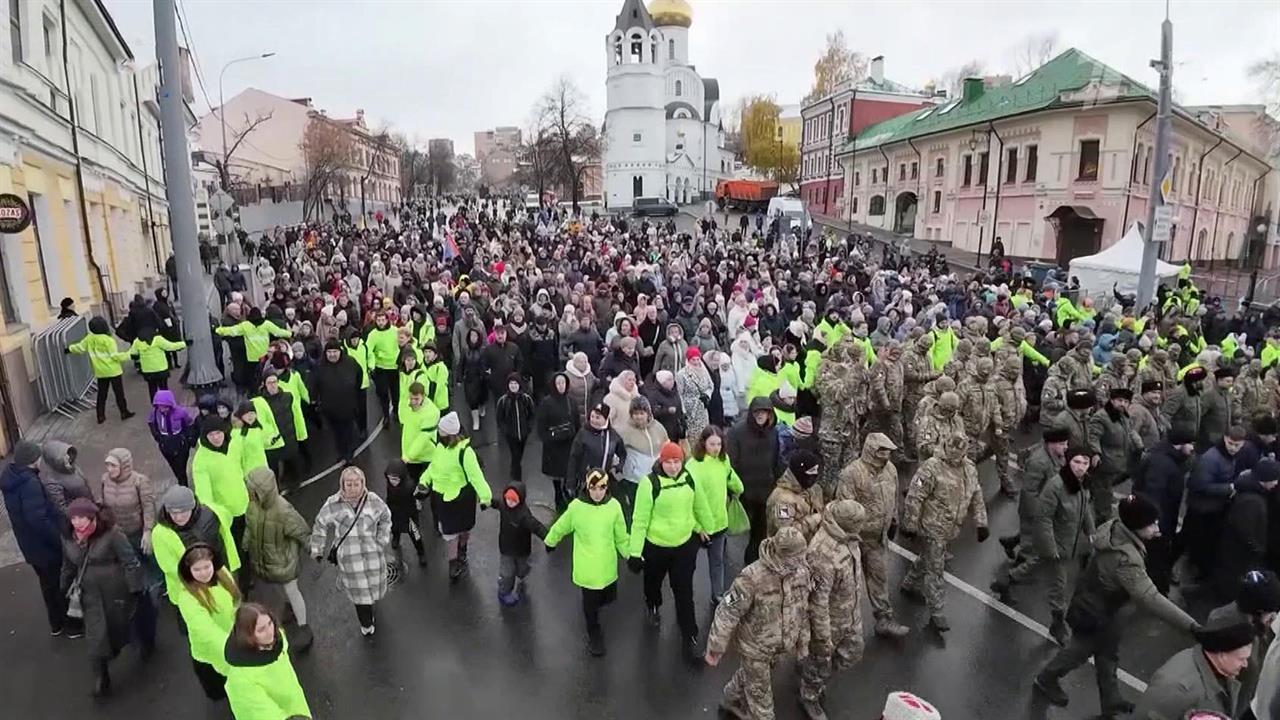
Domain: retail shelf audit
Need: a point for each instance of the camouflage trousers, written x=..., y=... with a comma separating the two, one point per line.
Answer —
x=1001, y=447
x=749, y=693
x=833, y=460
x=817, y=668
x=925, y=574
x=875, y=571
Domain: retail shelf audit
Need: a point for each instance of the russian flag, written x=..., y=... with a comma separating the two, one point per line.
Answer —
x=450, y=248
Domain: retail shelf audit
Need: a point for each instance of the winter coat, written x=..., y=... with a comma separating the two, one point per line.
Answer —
x=1183, y=411
x=274, y=531
x=543, y=352
x=592, y=449
x=1065, y=520
x=400, y=497
x=515, y=414
x=557, y=424
x=475, y=384
x=1116, y=576
x=261, y=685
x=667, y=409
x=754, y=453
x=587, y=342
x=643, y=445
x=1210, y=487
x=206, y=526
x=617, y=361
x=130, y=497
x=500, y=361
x=716, y=481
x=111, y=577
x=454, y=468
x=766, y=609
x=599, y=538
x=1161, y=477
x=516, y=525
x=1243, y=544
x=941, y=496
x=728, y=389
x=218, y=478
x=792, y=505
x=335, y=387
x=34, y=516
x=62, y=478
x=419, y=432
x=581, y=388
x=207, y=630
x=618, y=400
x=174, y=429
x=104, y=356
x=1111, y=436
x=362, y=570
x=696, y=392
x=876, y=490
x=1187, y=682
x=1216, y=417
x=835, y=562
x=670, y=355
x=668, y=511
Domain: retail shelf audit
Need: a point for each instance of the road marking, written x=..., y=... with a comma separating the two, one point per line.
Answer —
x=377, y=430
x=1023, y=620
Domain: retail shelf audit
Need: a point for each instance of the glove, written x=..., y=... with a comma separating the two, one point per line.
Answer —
x=66, y=351
x=484, y=506
x=983, y=534
x=635, y=564
x=893, y=530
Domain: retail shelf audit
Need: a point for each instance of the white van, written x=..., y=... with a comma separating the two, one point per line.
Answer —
x=792, y=211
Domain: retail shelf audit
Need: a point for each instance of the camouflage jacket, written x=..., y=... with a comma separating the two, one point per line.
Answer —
x=933, y=427
x=916, y=371
x=1247, y=397
x=1053, y=399
x=835, y=562
x=1076, y=374
x=940, y=497
x=979, y=406
x=886, y=387
x=1148, y=423
x=790, y=504
x=1012, y=402
x=877, y=490
x=766, y=608
x=1105, y=383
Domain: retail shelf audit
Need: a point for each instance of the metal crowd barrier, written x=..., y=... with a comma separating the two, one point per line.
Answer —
x=65, y=381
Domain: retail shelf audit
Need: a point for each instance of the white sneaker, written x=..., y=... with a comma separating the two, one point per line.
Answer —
x=367, y=631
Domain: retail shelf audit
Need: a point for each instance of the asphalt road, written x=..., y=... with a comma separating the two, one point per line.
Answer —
x=453, y=649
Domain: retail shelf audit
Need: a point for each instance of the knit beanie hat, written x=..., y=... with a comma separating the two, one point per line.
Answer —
x=26, y=453
x=1259, y=593
x=82, y=507
x=212, y=423
x=1225, y=634
x=178, y=499
x=692, y=352
x=670, y=451
x=597, y=478
x=449, y=424
x=804, y=466
x=640, y=403
x=1137, y=512
x=848, y=514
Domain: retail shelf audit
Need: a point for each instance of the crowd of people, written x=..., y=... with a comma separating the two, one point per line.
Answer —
x=683, y=387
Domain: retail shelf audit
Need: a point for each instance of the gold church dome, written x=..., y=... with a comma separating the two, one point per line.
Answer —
x=671, y=12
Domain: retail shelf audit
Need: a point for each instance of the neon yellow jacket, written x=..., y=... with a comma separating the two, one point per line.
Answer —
x=452, y=468
x=384, y=347
x=944, y=346
x=360, y=353
x=266, y=692
x=167, y=548
x=151, y=355
x=104, y=356
x=300, y=394
x=670, y=520
x=715, y=480
x=257, y=338
x=271, y=439
x=218, y=480
x=418, y=432
x=207, y=630
x=762, y=384
x=599, y=538
x=1270, y=353
x=250, y=443
x=436, y=380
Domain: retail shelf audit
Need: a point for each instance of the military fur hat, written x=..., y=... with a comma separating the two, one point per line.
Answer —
x=1080, y=399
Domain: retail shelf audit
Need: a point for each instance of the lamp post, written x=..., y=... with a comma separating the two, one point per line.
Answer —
x=222, y=116
x=779, y=150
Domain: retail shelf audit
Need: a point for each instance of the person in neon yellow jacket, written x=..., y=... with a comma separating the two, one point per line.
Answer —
x=216, y=474
x=207, y=600
x=764, y=379
x=150, y=350
x=410, y=372
x=257, y=333
x=250, y=436
x=833, y=328
x=104, y=358
x=1271, y=349
x=354, y=346
x=383, y=345
x=435, y=374
x=944, y=345
x=261, y=683
x=457, y=485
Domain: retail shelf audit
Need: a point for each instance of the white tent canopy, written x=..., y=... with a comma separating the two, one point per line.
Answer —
x=1117, y=265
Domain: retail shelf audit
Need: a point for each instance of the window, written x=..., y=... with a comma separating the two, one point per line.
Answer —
x=853, y=208
x=876, y=205
x=35, y=233
x=1089, y=150
x=967, y=180
x=93, y=100
x=679, y=88
x=8, y=305
x=938, y=169
x=1032, y=157
x=671, y=51
x=1177, y=171
x=937, y=201
x=857, y=178
x=635, y=137
x=1137, y=163
x=983, y=164
x=1011, y=166
x=637, y=49
x=915, y=170
x=1192, y=180
x=1146, y=166
x=15, y=39
x=875, y=175
x=902, y=171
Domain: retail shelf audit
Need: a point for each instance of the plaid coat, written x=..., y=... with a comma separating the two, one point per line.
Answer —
x=362, y=570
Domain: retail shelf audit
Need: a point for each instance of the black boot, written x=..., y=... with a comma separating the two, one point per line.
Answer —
x=101, y=680
x=595, y=642
x=1010, y=544
x=1058, y=629
x=457, y=568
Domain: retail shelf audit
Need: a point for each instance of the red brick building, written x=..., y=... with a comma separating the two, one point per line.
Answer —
x=830, y=121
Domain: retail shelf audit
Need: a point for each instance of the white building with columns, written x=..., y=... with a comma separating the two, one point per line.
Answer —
x=663, y=129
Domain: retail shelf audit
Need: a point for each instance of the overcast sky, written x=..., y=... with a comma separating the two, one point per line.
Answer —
x=446, y=68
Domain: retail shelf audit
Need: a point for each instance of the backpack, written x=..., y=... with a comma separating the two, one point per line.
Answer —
x=655, y=483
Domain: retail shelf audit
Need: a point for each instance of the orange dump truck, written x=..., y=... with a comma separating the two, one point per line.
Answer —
x=745, y=194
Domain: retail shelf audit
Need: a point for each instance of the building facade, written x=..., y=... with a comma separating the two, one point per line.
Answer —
x=663, y=129
x=829, y=122
x=497, y=151
x=1056, y=165
x=100, y=218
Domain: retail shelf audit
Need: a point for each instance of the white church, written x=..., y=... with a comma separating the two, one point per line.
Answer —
x=664, y=137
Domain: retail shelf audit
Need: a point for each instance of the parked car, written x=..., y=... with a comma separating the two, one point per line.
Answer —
x=654, y=206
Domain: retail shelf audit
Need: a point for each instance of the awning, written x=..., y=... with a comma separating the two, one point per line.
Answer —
x=1084, y=212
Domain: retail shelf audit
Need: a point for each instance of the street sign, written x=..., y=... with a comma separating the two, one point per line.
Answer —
x=1166, y=187
x=984, y=217
x=15, y=215
x=1162, y=231
x=1164, y=213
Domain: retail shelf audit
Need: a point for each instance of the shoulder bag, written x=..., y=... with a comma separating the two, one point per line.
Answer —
x=333, y=552
x=74, y=607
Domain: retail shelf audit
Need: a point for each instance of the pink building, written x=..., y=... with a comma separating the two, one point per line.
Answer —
x=829, y=122
x=1056, y=165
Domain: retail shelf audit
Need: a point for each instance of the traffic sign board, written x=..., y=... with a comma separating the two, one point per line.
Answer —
x=1166, y=186
x=1164, y=213
x=1162, y=231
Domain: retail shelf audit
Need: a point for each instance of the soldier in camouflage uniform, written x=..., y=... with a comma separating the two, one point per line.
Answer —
x=835, y=613
x=1160, y=368
x=841, y=386
x=917, y=370
x=872, y=480
x=942, y=419
x=1012, y=401
x=980, y=409
x=1148, y=422
x=980, y=350
x=1053, y=399
x=1114, y=444
x=1076, y=366
x=1076, y=419
x=1247, y=394
x=797, y=499
x=956, y=367
x=1041, y=463
x=1270, y=402
x=975, y=331
x=767, y=611
x=944, y=491
x=1114, y=375
x=887, y=392
x=1131, y=380
x=932, y=392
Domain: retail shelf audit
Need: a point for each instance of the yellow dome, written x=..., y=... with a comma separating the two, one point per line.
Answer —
x=671, y=12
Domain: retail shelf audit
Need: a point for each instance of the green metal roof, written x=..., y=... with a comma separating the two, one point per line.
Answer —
x=1042, y=89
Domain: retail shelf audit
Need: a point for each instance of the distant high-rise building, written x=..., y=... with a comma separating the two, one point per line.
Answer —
x=440, y=146
x=496, y=151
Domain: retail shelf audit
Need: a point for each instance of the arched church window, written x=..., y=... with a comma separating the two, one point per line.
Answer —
x=679, y=88
x=671, y=49
x=637, y=49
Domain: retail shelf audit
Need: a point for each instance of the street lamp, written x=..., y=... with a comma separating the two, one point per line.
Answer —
x=779, y=150
x=222, y=115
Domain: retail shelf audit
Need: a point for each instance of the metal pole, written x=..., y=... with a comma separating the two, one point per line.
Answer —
x=201, y=370
x=146, y=177
x=1155, y=198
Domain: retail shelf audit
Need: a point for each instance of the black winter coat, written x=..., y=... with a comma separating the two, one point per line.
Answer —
x=499, y=362
x=517, y=525
x=595, y=449
x=557, y=426
x=617, y=361
x=753, y=452
x=667, y=409
x=335, y=387
x=400, y=498
x=1161, y=477
x=1243, y=545
x=515, y=415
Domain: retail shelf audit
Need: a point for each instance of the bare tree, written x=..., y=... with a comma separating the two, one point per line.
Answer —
x=379, y=145
x=326, y=151
x=413, y=165
x=536, y=160
x=1034, y=50
x=562, y=114
x=441, y=167
x=1266, y=73
x=238, y=136
x=953, y=79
